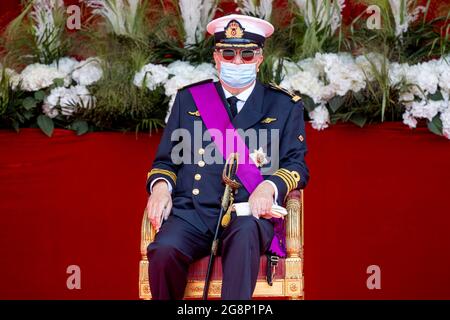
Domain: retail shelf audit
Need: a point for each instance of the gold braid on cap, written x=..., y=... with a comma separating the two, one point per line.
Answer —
x=290, y=178
x=238, y=45
x=168, y=173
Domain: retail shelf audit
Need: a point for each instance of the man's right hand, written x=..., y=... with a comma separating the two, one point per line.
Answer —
x=159, y=204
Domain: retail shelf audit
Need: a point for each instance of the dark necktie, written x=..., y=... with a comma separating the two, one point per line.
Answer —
x=233, y=105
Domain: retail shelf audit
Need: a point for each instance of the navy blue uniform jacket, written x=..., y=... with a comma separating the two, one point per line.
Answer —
x=197, y=186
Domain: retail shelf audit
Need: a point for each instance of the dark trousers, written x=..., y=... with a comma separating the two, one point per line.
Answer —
x=178, y=244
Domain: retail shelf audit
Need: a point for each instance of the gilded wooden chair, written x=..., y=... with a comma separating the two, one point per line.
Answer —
x=288, y=277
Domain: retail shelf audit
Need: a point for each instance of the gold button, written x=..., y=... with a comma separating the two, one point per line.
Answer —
x=201, y=163
x=197, y=176
x=195, y=192
x=201, y=151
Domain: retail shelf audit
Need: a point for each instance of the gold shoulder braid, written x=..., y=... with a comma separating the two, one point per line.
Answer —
x=290, y=178
x=294, y=98
x=168, y=173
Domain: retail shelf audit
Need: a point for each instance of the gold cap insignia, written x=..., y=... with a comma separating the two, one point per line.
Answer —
x=269, y=120
x=234, y=30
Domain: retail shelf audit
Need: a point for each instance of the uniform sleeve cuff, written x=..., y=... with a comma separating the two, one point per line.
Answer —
x=158, y=179
x=275, y=196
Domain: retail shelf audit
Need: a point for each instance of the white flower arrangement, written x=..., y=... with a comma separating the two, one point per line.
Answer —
x=324, y=76
x=424, y=87
x=173, y=77
x=329, y=75
x=84, y=72
x=65, y=101
x=40, y=76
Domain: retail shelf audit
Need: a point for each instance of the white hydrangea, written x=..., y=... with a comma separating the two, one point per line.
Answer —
x=324, y=76
x=420, y=81
x=39, y=76
x=88, y=71
x=409, y=120
x=184, y=74
x=320, y=117
x=153, y=74
x=443, y=70
x=65, y=101
x=445, y=118
x=309, y=84
x=423, y=75
x=427, y=110
x=342, y=73
x=65, y=65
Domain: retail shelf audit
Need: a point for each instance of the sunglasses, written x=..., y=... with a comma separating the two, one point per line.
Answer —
x=247, y=55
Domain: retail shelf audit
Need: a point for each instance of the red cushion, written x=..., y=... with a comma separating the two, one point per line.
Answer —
x=197, y=270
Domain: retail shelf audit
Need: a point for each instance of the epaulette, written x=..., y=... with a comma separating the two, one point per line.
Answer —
x=294, y=98
x=196, y=84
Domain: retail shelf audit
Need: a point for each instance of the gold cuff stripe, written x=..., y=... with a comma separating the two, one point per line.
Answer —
x=290, y=178
x=286, y=178
x=168, y=173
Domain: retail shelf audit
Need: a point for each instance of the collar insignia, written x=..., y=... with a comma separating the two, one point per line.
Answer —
x=194, y=113
x=269, y=120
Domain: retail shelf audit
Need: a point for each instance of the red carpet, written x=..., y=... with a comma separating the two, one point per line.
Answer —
x=377, y=196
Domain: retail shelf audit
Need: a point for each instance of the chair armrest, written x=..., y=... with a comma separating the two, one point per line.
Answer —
x=294, y=224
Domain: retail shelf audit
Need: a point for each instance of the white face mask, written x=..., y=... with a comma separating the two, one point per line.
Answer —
x=237, y=75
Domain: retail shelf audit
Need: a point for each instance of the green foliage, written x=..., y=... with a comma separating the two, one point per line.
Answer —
x=423, y=39
x=23, y=45
x=120, y=104
x=16, y=108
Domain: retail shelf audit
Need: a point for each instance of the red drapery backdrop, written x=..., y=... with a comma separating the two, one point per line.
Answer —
x=377, y=196
x=11, y=8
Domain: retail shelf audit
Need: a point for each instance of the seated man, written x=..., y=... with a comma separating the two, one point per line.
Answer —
x=185, y=183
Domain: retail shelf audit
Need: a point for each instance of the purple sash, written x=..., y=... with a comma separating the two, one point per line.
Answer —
x=227, y=140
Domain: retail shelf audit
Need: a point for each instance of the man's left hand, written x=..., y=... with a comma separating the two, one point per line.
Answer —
x=261, y=200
